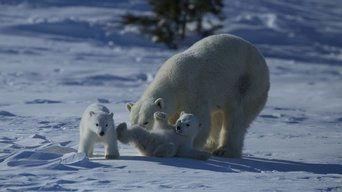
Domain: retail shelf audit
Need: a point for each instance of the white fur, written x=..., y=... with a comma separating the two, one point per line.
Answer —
x=165, y=140
x=96, y=119
x=222, y=79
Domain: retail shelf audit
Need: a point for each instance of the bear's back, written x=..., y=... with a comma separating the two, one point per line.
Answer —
x=213, y=64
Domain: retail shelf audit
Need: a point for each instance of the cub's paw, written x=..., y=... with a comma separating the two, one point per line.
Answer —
x=121, y=132
x=160, y=115
x=224, y=152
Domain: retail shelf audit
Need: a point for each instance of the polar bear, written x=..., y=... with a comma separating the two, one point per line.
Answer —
x=222, y=79
x=97, y=126
x=165, y=140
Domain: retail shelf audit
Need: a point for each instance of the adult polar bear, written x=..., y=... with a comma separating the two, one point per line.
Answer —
x=221, y=79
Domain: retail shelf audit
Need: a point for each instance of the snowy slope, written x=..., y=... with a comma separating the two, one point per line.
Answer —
x=58, y=56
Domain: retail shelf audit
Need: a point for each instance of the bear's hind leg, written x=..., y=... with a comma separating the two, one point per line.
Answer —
x=216, y=126
x=165, y=150
x=232, y=134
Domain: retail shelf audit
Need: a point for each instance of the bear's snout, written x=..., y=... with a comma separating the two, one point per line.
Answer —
x=101, y=133
x=178, y=128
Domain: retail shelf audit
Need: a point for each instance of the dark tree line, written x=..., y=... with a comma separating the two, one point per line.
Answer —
x=172, y=20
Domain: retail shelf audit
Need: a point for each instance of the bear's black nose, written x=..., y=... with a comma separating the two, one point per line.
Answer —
x=101, y=133
x=178, y=128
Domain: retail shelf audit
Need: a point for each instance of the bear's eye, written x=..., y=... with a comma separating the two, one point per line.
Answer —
x=146, y=123
x=106, y=125
x=188, y=125
x=97, y=124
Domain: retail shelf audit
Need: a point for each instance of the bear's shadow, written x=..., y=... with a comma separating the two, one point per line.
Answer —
x=246, y=164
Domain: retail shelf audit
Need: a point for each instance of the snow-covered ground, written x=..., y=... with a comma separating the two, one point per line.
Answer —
x=58, y=56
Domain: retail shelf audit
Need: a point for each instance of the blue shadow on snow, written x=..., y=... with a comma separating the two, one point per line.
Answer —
x=246, y=164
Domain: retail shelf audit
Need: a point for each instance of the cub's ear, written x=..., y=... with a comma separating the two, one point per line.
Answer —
x=91, y=113
x=160, y=103
x=129, y=106
x=111, y=115
x=159, y=115
x=182, y=113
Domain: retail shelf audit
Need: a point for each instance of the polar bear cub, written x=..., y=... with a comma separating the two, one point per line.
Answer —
x=97, y=126
x=165, y=140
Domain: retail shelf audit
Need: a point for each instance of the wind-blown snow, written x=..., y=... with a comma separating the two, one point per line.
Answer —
x=58, y=56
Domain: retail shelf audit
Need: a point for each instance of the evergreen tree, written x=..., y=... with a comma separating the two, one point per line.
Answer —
x=171, y=19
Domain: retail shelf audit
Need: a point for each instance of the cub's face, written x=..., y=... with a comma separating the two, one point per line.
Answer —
x=100, y=123
x=142, y=112
x=187, y=124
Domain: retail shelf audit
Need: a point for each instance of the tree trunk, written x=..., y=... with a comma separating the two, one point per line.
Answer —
x=199, y=24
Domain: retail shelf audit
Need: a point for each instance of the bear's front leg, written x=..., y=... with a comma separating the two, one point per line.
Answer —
x=111, y=145
x=111, y=151
x=86, y=146
x=193, y=154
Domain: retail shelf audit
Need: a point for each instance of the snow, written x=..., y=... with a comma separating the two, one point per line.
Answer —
x=59, y=56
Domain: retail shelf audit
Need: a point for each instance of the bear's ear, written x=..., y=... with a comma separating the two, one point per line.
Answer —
x=200, y=124
x=111, y=115
x=160, y=103
x=91, y=113
x=182, y=113
x=129, y=106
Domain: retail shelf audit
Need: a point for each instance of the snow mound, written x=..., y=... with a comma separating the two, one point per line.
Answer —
x=108, y=80
x=284, y=29
x=78, y=160
x=51, y=157
x=42, y=101
x=30, y=159
x=32, y=141
x=6, y=114
x=57, y=149
x=49, y=187
x=67, y=27
x=71, y=29
x=102, y=100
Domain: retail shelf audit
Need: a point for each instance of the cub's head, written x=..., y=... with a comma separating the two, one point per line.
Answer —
x=100, y=123
x=187, y=125
x=142, y=112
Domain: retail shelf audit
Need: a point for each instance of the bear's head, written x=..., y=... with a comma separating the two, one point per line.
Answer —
x=100, y=123
x=142, y=112
x=187, y=125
